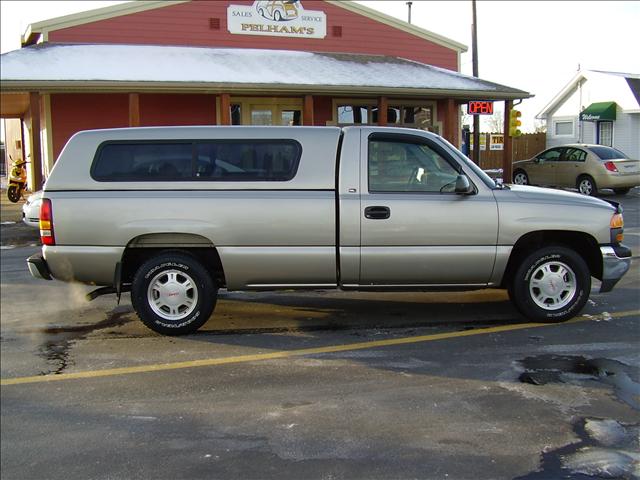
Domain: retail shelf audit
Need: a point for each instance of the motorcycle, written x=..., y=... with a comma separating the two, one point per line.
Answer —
x=17, y=179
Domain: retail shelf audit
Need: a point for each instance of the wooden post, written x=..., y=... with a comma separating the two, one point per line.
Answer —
x=307, y=113
x=451, y=123
x=383, y=106
x=507, y=153
x=134, y=110
x=225, y=109
x=34, y=139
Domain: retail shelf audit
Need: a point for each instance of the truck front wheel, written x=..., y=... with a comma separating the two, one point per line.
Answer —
x=551, y=285
x=173, y=294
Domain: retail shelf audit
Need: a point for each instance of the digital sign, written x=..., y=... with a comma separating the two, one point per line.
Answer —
x=480, y=107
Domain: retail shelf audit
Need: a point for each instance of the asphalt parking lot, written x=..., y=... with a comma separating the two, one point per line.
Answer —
x=323, y=385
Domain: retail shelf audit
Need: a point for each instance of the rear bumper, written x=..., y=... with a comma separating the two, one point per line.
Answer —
x=616, y=260
x=38, y=267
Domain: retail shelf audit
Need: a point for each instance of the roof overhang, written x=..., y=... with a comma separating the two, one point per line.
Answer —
x=248, y=89
x=599, y=111
x=54, y=67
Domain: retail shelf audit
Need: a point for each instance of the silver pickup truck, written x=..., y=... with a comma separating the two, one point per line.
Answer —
x=175, y=213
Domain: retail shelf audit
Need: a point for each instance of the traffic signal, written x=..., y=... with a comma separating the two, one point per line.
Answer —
x=514, y=123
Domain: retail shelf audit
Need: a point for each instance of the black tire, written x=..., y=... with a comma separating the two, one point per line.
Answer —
x=14, y=193
x=621, y=191
x=551, y=285
x=586, y=185
x=180, y=311
x=520, y=177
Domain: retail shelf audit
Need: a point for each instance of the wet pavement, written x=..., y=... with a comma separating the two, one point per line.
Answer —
x=282, y=385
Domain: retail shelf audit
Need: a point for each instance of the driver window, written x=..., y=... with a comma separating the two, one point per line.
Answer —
x=396, y=166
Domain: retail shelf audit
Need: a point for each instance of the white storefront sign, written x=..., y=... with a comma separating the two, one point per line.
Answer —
x=284, y=18
x=496, y=142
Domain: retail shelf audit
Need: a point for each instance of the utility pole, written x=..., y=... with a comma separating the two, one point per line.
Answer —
x=409, y=5
x=474, y=53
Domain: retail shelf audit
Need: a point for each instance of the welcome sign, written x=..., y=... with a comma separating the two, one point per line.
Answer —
x=284, y=18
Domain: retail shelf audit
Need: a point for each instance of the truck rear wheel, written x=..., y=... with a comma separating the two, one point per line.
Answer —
x=551, y=285
x=173, y=294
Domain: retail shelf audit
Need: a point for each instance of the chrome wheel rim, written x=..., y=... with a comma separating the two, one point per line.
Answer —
x=172, y=295
x=585, y=187
x=553, y=285
x=520, y=179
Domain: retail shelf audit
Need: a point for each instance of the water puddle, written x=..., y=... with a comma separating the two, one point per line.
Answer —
x=605, y=449
x=544, y=369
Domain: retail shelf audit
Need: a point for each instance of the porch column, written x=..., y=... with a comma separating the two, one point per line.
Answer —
x=451, y=124
x=225, y=109
x=134, y=110
x=383, y=106
x=34, y=140
x=307, y=113
x=507, y=153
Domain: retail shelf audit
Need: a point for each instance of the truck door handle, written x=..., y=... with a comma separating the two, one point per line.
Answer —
x=377, y=213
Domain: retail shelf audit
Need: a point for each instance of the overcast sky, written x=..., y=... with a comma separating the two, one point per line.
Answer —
x=534, y=46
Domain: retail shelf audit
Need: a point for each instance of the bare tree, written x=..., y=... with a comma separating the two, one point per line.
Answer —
x=540, y=126
x=496, y=122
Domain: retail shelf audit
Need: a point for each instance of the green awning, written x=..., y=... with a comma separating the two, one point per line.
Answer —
x=599, y=111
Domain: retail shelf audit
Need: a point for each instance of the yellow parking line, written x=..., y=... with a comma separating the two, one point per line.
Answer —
x=295, y=353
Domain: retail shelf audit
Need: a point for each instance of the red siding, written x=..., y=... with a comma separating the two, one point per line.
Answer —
x=177, y=109
x=71, y=113
x=188, y=24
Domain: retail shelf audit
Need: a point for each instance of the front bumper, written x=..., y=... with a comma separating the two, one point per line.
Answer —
x=616, y=260
x=38, y=267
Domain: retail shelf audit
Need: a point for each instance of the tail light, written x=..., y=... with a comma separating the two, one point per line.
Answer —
x=611, y=166
x=46, y=223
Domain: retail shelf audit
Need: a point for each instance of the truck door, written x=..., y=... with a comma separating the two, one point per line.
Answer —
x=414, y=229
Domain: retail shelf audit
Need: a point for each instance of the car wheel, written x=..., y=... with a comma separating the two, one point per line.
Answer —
x=173, y=294
x=551, y=285
x=520, y=177
x=586, y=185
x=621, y=191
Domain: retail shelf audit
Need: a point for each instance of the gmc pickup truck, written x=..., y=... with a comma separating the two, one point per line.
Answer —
x=173, y=214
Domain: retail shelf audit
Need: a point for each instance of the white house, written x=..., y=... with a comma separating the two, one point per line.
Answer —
x=596, y=107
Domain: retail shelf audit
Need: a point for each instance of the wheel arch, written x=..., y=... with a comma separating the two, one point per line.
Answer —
x=143, y=247
x=582, y=243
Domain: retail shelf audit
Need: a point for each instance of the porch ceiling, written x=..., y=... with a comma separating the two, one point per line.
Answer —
x=13, y=105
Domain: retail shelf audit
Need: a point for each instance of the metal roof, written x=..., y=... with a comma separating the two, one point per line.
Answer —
x=55, y=67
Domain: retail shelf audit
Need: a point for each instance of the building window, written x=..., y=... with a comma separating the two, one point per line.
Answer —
x=605, y=133
x=563, y=128
x=363, y=112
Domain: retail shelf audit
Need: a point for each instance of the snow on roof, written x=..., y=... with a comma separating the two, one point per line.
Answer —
x=218, y=66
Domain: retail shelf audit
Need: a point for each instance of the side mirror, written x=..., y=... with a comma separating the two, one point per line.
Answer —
x=463, y=186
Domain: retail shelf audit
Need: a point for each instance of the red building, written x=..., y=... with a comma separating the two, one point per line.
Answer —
x=231, y=62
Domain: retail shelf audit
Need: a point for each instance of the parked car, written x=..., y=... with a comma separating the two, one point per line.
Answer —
x=588, y=168
x=31, y=209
